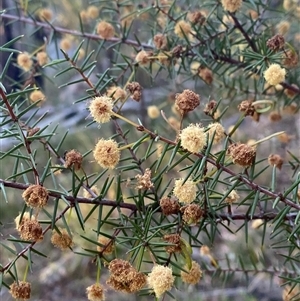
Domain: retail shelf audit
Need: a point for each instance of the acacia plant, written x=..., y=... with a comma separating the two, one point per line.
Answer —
x=152, y=144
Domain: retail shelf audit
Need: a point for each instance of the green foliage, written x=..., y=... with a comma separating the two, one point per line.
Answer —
x=246, y=213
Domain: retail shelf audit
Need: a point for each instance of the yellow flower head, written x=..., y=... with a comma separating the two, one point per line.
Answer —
x=160, y=279
x=106, y=153
x=101, y=109
x=193, y=138
x=186, y=193
x=274, y=75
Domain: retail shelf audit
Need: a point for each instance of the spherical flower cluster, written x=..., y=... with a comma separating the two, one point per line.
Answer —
x=275, y=116
x=187, y=101
x=42, y=58
x=73, y=159
x=193, y=138
x=144, y=181
x=275, y=160
x=291, y=59
x=95, y=292
x=191, y=214
x=93, y=11
x=116, y=93
x=20, y=290
x=45, y=14
x=24, y=61
x=283, y=27
x=101, y=109
x=169, y=206
x=62, y=240
x=160, y=279
x=135, y=89
x=105, y=30
x=206, y=74
x=124, y=277
x=247, y=107
x=106, y=153
x=274, y=74
x=194, y=274
x=35, y=196
x=217, y=131
x=291, y=94
x=231, y=5
x=107, y=245
x=66, y=43
x=241, y=154
x=175, y=240
x=153, y=112
x=182, y=29
x=186, y=193
x=29, y=228
x=232, y=197
x=142, y=57
x=36, y=96
x=276, y=42
x=160, y=41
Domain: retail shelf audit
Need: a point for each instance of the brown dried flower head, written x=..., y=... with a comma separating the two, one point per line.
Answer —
x=210, y=107
x=95, y=292
x=177, y=51
x=35, y=196
x=197, y=17
x=182, y=29
x=291, y=93
x=124, y=277
x=73, y=158
x=276, y=42
x=246, y=107
x=232, y=197
x=62, y=240
x=101, y=109
x=275, y=160
x=135, y=89
x=42, y=58
x=175, y=240
x=107, y=245
x=187, y=101
x=191, y=214
x=153, y=112
x=88, y=195
x=106, y=153
x=241, y=154
x=30, y=230
x=193, y=138
x=290, y=109
x=186, y=193
x=194, y=274
x=105, y=30
x=290, y=59
x=169, y=206
x=144, y=181
x=217, y=131
x=37, y=96
x=160, y=279
x=232, y=5
x=20, y=290
x=206, y=74
x=24, y=61
x=116, y=93
x=275, y=116
x=160, y=41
